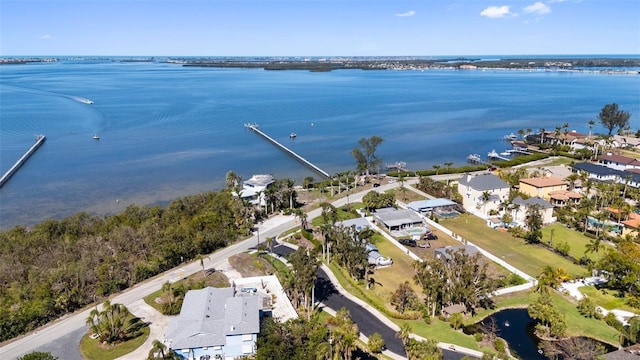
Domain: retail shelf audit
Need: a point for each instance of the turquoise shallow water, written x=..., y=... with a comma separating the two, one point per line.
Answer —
x=168, y=131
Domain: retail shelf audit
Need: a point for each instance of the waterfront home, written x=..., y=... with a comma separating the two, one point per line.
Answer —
x=626, y=142
x=597, y=172
x=523, y=207
x=630, y=177
x=253, y=189
x=215, y=323
x=473, y=187
x=618, y=162
x=542, y=186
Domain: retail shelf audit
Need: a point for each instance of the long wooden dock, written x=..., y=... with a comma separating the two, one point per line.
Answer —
x=304, y=161
x=40, y=139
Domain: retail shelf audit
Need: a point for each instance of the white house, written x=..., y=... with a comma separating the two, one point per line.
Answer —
x=253, y=188
x=618, y=162
x=523, y=206
x=473, y=187
x=215, y=323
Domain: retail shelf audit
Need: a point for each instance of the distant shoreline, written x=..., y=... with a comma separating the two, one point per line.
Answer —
x=609, y=65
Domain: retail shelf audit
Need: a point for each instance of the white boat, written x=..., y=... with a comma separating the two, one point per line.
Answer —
x=511, y=136
x=506, y=323
x=505, y=153
x=292, y=135
x=96, y=137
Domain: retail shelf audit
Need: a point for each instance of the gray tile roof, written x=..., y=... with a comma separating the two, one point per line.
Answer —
x=208, y=315
x=533, y=201
x=483, y=182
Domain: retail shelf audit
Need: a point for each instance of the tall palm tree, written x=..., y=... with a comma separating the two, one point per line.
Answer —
x=201, y=258
x=542, y=131
x=436, y=168
x=593, y=246
x=591, y=123
x=232, y=180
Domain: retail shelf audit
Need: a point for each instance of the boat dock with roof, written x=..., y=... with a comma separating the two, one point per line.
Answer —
x=304, y=161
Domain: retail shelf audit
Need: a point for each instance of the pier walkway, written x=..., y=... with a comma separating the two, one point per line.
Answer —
x=7, y=175
x=304, y=161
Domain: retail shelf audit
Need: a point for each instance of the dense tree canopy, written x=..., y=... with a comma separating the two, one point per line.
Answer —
x=59, y=266
x=461, y=280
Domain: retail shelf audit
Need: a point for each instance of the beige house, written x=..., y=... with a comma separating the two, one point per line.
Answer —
x=541, y=187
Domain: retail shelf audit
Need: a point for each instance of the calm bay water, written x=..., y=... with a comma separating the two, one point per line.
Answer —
x=168, y=131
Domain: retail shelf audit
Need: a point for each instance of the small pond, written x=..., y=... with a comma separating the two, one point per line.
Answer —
x=517, y=329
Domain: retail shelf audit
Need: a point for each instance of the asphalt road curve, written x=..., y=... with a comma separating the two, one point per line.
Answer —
x=367, y=323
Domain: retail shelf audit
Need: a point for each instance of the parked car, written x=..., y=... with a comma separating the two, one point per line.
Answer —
x=431, y=236
x=408, y=242
x=424, y=245
x=376, y=185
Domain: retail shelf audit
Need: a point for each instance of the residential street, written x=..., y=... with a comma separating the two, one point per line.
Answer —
x=62, y=337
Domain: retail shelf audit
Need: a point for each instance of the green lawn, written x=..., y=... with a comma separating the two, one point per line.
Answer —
x=576, y=240
x=517, y=252
x=91, y=349
x=606, y=298
x=577, y=325
x=440, y=331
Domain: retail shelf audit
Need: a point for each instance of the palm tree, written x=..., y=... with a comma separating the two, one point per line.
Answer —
x=521, y=133
x=591, y=123
x=448, y=166
x=302, y=216
x=112, y=324
x=542, y=131
x=201, y=258
x=404, y=333
x=551, y=278
x=158, y=348
x=593, y=246
x=232, y=179
x=486, y=195
x=436, y=168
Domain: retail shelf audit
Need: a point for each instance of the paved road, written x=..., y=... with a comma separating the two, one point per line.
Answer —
x=367, y=322
x=62, y=336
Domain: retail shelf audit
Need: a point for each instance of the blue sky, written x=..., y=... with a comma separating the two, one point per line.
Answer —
x=318, y=28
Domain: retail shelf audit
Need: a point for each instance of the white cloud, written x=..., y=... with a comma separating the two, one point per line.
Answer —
x=539, y=8
x=408, y=13
x=44, y=37
x=495, y=12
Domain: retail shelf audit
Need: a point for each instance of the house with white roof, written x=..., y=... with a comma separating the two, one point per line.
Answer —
x=253, y=189
x=215, y=323
x=472, y=188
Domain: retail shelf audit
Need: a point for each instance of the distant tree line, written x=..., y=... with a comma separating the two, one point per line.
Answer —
x=59, y=266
